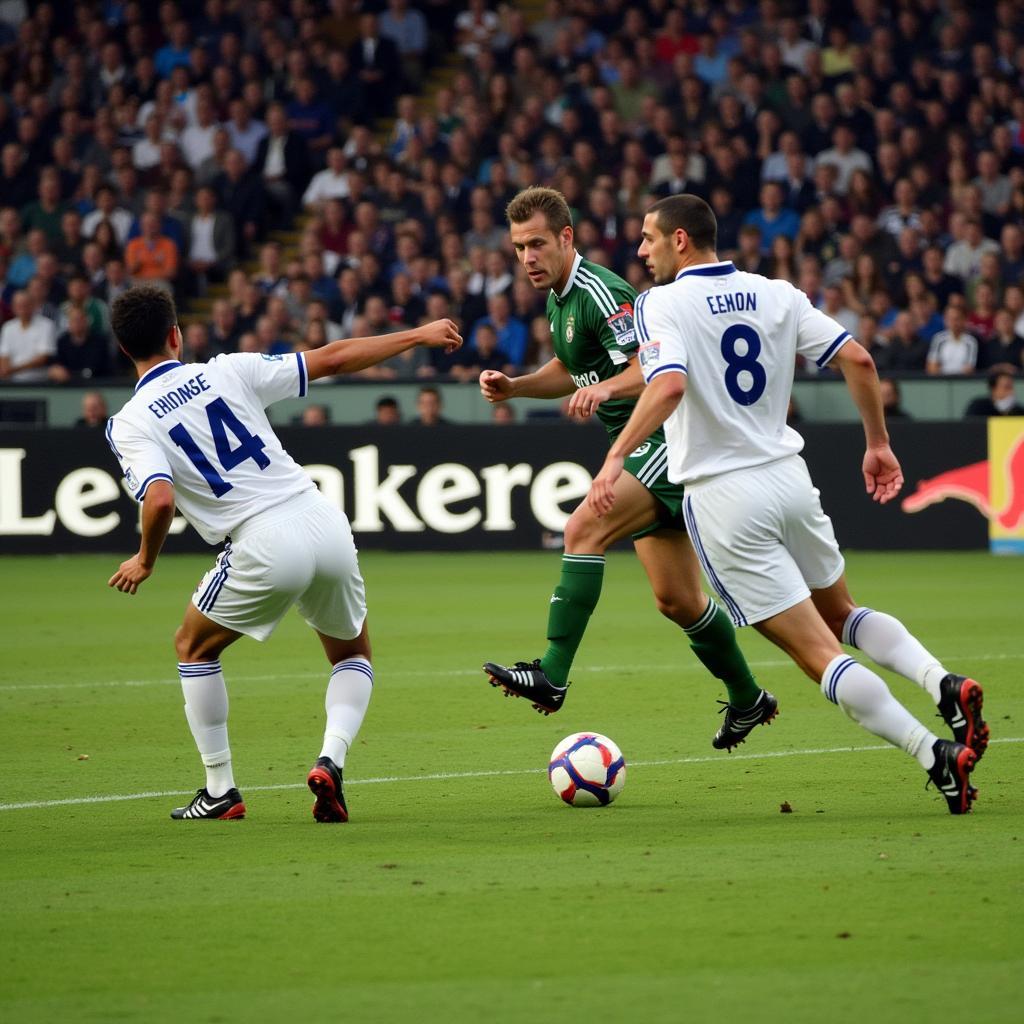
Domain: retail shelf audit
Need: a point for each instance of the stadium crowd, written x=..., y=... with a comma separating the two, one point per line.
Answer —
x=871, y=153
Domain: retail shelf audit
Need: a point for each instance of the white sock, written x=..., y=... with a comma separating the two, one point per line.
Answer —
x=887, y=641
x=348, y=696
x=206, y=708
x=867, y=700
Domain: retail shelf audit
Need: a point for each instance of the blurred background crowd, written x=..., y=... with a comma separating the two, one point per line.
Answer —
x=298, y=171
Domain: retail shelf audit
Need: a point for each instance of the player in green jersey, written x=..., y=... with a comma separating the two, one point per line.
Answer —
x=591, y=314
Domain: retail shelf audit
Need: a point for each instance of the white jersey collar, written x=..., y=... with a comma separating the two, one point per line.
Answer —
x=708, y=270
x=157, y=371
x=577, y=260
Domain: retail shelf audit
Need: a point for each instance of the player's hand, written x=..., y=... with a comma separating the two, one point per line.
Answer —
x=585, y=401
x=602, y=491
x=495, y=386
x=130, y=576
x=442, y=334
x=883, y=477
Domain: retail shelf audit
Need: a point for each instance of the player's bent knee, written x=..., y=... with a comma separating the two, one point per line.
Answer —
x=586, y=534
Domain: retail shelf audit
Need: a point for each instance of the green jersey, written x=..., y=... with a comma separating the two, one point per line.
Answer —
x=592, y=333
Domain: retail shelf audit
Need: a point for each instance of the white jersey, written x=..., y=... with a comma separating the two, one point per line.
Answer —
x=203, y=427
x=736, y=337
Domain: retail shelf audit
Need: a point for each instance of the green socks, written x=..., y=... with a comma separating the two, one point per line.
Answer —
x=713, y=640
x=572, y=603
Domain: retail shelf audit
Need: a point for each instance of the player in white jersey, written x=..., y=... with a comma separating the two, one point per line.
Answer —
x=729, y=341
x=197, y=436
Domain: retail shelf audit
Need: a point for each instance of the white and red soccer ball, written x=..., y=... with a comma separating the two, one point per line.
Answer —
x=587, y=770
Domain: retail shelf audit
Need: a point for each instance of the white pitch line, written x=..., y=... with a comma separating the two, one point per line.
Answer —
x=450, y=776
x=445, y=673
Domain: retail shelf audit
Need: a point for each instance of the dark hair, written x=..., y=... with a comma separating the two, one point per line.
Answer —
x=538, y=199
x=387, y=402
x=141, y=319
x=690, y=213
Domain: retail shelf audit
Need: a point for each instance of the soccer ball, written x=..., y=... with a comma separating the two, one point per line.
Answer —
x=587, y=770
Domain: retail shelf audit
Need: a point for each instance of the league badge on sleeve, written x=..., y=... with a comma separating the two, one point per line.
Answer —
x=132, y=481
x=650, y=355
x=621, y=323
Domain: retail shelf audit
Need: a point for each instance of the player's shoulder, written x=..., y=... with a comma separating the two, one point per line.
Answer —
x=603, y=288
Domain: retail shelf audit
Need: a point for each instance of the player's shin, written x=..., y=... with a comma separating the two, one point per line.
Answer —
x=867, y=700
x=713, y=639
x=206, y=709
x=887, y=641
x=572, y=604
x=348, y=697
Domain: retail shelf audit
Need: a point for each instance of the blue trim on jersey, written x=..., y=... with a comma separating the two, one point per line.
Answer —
x=712, y=270
x=302, y=375
x=832, y=349
x=691, y=527
x=638, y=318
x=830, y=686
x=157, y=371
x=110, y=438
x=141, y=492
x=678, y=367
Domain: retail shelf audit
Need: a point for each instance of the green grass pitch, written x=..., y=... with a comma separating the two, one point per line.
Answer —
x=462, y=889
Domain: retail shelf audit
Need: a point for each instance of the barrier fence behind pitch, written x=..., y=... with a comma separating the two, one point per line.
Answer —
x=508, y=487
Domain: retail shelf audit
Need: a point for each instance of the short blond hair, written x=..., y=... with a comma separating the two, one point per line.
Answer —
x=538, y=199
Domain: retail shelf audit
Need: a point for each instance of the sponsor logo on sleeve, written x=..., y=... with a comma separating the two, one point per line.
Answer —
x=132, y=480
x=621, y=323
x=272, y=359
x=650, y=354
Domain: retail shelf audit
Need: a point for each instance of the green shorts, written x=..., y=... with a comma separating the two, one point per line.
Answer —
x=649, y=464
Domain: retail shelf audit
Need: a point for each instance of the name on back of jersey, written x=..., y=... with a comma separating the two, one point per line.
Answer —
x=733, y=302
x=178, y=396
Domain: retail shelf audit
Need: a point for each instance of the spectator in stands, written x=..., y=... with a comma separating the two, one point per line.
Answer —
x=81, y=353
x=242, y=196
x=386, y=412
x=94, y=411
x=330, y=183
x=315, y=415
x=376, y=63
x=28, y=343
x=1001, y=399
x=429, y=406
x=906, y=349
x=311, y=119
x=511, y=333
x=245, y=132
x=17, y=183
x=1004, y=345
x=223, y=329
x=79, y=296
x=152, y=257
x=46, y=211
x=211, y=243
x=891, y=399
x=281, y=163
x=107, y=210
x=963, y=258
x=953, y=351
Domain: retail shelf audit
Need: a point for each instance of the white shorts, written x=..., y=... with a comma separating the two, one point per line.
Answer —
x=762, y=539
x=300, y=552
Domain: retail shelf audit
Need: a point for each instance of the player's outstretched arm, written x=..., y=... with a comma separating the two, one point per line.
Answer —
x=552, y=380
x=351, y=354
x=628, y=384
x=656, y=404
x=157, y=515
x=883, y=477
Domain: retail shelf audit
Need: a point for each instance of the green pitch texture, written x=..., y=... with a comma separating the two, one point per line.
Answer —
x=462, y=889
